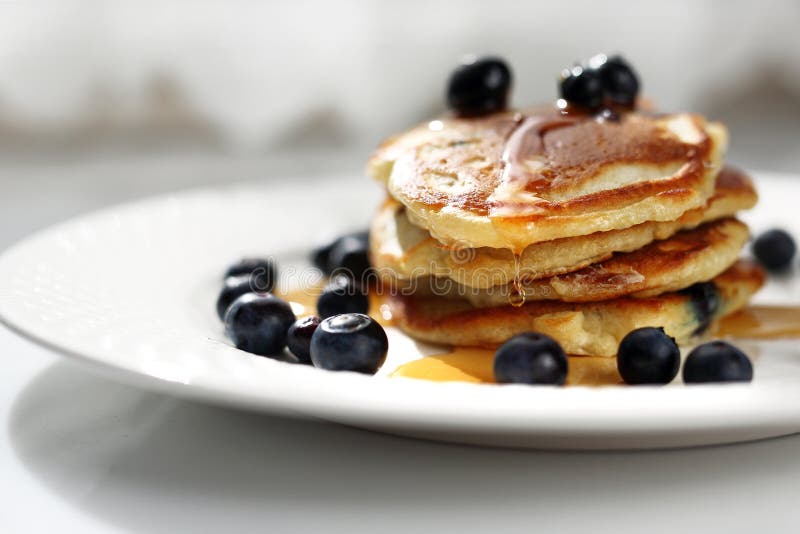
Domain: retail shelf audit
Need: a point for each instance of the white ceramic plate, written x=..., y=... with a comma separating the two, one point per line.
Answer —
x=131, y=290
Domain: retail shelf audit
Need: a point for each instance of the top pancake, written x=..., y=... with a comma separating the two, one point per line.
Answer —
x=516, y=178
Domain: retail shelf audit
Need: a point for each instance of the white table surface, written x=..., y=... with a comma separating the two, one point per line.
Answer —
x=83, y=454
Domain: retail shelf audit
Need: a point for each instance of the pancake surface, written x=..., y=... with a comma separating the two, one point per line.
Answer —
x=516, y=178
x=591, y=328
x=404, y=251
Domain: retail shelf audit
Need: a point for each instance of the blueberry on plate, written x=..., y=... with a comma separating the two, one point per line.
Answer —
x=233, y=288
x=717, y=361
x=349, y=342
x=299, y=337
x=263, y=272
x=259, y=323
x=581, y=86
x=648, y=356
x=349, y=256
x=620, y=82
x=530, y=358
x=320, y=255
x=775, y=249
x=479, y=86
x=342, y=295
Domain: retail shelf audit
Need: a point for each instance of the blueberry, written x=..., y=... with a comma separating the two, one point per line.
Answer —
x=259, y=323
x=530, y=358
x=581, y=86
x=342, y=295
x=320, y=255
x=262, y=271
x=299, y=337
x=479, y=86
x=363, y=235
x=775, y=249
x=349, y=342
x=648, y=356
x=620, y=82
x=717, y=361
x=705, y=302
x=349, y=256
x=233, y=288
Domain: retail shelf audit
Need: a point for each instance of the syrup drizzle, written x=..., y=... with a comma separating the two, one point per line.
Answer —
x=517, y=296
x=523, y=163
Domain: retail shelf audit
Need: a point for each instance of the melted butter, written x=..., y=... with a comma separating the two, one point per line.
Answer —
x=762, y=322
x=474, y=365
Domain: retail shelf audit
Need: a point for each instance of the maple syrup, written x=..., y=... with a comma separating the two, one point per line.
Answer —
x=762, y=322
x=303, y=301
x=516, y=296
x=522, y=174
x=475, y=365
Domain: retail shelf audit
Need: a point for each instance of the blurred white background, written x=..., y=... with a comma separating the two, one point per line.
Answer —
x=101, y=101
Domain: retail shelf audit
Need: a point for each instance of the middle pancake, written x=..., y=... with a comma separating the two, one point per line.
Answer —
x=688, y=257
x=402, y=251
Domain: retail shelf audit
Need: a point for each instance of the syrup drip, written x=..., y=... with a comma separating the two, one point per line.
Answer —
x=523, y=174
x=516, y=296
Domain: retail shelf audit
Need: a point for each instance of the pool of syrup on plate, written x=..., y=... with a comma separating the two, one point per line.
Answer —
x=471, y=364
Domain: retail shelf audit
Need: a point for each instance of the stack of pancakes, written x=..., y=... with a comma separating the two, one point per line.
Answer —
x=577, y=226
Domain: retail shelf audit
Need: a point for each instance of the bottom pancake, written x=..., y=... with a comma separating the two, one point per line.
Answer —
x=589, y=328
